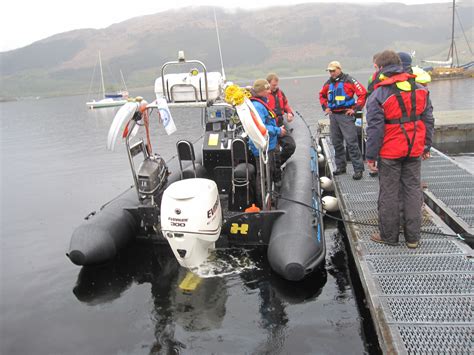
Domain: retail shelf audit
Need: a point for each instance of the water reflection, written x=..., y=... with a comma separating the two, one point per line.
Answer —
x=197, y=304
x=337, y=264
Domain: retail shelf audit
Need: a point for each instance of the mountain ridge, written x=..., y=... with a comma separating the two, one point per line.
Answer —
x=292, y=40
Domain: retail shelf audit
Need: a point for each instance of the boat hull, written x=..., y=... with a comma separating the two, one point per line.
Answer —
x=106, y=103
x=293, y=232
x=297, y=244
x=101, y=236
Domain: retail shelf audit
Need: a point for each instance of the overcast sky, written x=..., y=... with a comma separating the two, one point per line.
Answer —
x=23, y=22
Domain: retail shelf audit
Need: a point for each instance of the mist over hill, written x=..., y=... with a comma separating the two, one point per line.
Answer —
x=291, y=40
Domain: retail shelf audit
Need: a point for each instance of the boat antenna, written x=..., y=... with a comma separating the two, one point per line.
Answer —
x=219, y=43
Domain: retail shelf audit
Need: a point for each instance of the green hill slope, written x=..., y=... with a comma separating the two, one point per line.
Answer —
x=293, y=40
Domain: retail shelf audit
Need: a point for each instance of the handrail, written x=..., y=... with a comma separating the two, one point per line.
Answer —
x=183, y=61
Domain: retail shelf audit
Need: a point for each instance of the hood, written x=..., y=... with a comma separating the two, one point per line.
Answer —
x=391, y=70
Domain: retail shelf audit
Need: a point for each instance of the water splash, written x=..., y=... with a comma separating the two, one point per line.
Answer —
x=224, y=262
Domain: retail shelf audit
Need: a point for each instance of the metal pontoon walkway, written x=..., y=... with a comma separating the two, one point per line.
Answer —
x=421, y=300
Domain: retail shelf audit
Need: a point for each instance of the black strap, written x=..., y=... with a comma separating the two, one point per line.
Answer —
x=405, y=118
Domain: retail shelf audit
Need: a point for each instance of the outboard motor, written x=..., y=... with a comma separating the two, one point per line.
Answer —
x=152, y=175
x=191, y=219
x=150, y=180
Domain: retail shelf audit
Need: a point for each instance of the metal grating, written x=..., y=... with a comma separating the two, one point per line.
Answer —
x=429, y=309
x=437, y=339
x=451, y=184
x=421, y=264
x=426, y=284
x=427, y=246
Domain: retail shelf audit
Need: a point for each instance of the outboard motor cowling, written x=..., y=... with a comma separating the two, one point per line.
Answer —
x=191, y=219
x=152, y=175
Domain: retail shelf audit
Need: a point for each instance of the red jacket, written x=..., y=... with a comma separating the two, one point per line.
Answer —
x=351, y=87
x=387, y=136
x=278, y=102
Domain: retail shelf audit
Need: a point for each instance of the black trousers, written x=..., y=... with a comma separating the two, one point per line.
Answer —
x=399, y=181
x=258, y=187
x=287, y=148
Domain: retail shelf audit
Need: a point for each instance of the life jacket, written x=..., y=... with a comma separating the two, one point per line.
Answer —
x=404, y=130
x=270, y=111
x=373, y=80
x=337, y=96
x=277, y=101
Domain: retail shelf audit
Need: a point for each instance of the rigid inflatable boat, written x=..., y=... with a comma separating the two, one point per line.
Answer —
x=206, y=197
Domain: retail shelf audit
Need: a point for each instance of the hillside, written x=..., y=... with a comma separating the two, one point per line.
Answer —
x=293, y=40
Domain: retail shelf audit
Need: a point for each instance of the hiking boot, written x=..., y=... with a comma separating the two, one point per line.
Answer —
x=339, y=171
x=378, y=239
x=357, y=175
x=413, y=245
x=374, y=174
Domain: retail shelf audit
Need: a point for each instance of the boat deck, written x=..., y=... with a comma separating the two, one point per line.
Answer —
x=420, y=299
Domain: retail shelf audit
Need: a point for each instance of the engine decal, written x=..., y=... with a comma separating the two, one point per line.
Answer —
x=213, y=210
x=242, y=229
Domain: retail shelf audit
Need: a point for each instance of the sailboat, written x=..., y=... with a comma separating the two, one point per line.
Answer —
x=118, y=98
x=445, y=69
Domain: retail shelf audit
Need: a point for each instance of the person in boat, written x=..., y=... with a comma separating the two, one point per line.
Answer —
x=400, y=128
x=337, y=100
x=278, y=102
x=374, y=77
x=260, y=91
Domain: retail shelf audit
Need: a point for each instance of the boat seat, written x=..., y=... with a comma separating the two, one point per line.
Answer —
x=186, y=153
x=242, y=171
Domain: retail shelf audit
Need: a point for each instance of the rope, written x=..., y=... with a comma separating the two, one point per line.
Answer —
x=461, y=236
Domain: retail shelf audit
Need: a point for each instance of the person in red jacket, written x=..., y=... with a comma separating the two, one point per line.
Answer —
x=278, y=102
x=337, y=100
x=400, y=128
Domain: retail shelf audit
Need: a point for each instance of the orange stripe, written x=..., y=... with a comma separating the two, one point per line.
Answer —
x=258, y=123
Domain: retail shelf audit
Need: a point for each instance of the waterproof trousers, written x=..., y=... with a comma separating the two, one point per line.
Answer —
x=399, y=181
x=285, y=150
x=258, y=187
x=342, y=128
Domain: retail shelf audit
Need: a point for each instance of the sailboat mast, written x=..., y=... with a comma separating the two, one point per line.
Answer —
x=451, y=49
x=123, y=80
x=101, y=76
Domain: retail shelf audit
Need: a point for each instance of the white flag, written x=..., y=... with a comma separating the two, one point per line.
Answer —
x=165, y=115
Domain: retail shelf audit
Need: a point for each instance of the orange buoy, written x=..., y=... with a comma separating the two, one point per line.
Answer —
x=252, y=208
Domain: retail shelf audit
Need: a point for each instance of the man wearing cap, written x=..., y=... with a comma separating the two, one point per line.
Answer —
x=260, y=91
x=337, y=100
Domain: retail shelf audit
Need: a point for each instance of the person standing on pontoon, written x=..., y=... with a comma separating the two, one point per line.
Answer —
x=337, y=100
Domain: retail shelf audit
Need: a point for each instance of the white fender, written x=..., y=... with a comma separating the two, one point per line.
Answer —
x=124, y=114
x=253, y=126
x=321, y=159
x=330, y=203
x=318, y=149
x=326, y=183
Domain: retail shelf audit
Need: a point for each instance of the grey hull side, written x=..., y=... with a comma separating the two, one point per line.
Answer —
x=104, y=234
x=297, y=243
x=100, y=237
